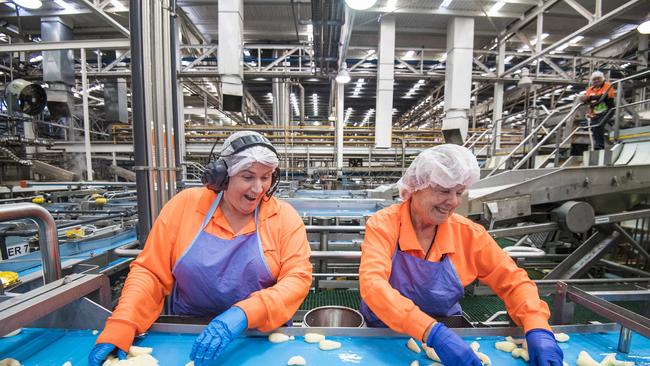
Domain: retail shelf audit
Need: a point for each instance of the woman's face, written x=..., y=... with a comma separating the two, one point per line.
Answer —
x=434, y=205
x=246, y=188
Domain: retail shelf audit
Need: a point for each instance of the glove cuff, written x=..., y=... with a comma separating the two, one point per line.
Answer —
x=540, y=331
x=235, y=320
x=433, y=334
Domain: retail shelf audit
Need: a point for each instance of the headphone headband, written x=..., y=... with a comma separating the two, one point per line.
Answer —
x=242, y=143
x=215, y=175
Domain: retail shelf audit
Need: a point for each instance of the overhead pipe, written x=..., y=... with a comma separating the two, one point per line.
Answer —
x=47, y=235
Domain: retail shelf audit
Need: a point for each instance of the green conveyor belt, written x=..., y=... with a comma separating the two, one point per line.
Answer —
x=477, y=308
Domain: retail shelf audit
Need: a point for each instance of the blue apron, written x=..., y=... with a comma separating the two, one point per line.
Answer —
x=433, y=286
x=213, y=273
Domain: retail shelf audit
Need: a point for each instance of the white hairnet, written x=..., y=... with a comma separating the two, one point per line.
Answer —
x=245, y=158
x=445, y=165
x=597, y=74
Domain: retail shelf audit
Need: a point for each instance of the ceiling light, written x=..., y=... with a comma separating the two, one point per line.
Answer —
x=644, y=28
x=343, y=77
x=117, y=6
x=29, y=4
x=445, y=3
x=360, y=4
x=496, y=7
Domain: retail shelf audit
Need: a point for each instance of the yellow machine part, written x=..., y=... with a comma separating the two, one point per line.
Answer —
x=101, y=201
x=8, y=278
x=75, y=233
x=38, y=200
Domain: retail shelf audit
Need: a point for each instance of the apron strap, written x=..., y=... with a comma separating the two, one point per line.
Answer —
x=210, y=213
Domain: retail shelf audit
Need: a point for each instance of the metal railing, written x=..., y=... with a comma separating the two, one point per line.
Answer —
x=555, y=129
x=47, y=235
x=527, y=139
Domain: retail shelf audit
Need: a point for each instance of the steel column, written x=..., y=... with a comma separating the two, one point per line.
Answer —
x=86, y=116
x=497, y=101
x=340, y=122
x=385, y=82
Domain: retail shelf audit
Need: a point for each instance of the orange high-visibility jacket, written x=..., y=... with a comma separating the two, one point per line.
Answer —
x=285, y=246
x=471, y=250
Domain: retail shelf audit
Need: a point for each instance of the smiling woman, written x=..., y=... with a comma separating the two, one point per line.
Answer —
x=418, y=256
x=229, y=250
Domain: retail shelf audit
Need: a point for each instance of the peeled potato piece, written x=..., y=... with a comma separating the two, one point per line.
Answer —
x=474, y=346
x=413, y=346
x=9, y=362
x=584, y=359
x=505, y=346
x=278, y=338
x=484, y=358
x=136, y=351
x=431, y=353
x=296, y=361
x=327, y=345
x=521, y=353
x=561, y=337
x=67, y=363
x=415, y=363
x=313, y=337
x=515, y=340
x=610, y=360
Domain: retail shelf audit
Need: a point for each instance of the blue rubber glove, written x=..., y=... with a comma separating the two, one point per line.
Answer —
x=451, y=349
x=543, y=349
x=221, y=331
x=99, y=353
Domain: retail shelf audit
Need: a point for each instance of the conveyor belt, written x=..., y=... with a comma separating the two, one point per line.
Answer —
x=477, y=308
x=54, y=347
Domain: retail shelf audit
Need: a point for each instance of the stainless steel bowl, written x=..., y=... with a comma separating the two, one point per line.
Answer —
x=333, y=316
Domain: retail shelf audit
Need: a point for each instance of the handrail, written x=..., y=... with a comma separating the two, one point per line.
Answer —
x=522, y=143
x=546, y=137
x=552, y=154
x=630, y=77
x=47, y=235
x=479, y=137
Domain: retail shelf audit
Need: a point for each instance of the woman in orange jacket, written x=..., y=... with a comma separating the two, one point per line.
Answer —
x=418, y=256
x=229, y=250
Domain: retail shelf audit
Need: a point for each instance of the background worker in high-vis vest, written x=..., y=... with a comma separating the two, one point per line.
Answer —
x=229, y=250
x=600, y=98
x=418, y=256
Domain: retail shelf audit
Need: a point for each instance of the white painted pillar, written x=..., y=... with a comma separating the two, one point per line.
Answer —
x=497, y=101
x=340, y=121
x=458, y=74
x=229, y=52
x=84, y=95
x=385, y=82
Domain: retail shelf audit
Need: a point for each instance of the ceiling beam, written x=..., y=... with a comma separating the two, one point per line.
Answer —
x=102, y=14
x=93, y=44
x=443, y=11
x=567, y=38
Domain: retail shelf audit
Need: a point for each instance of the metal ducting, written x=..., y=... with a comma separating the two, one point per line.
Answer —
x=25, y=97
x=58, y=68
x=115, y=100
x=327, y=17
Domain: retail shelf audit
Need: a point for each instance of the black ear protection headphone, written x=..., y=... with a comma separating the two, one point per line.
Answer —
x=215, y=175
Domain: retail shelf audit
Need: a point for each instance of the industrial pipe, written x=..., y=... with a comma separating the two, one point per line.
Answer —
x=47, y=235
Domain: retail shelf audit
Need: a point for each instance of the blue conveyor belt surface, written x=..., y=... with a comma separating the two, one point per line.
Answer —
x=53, y=347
